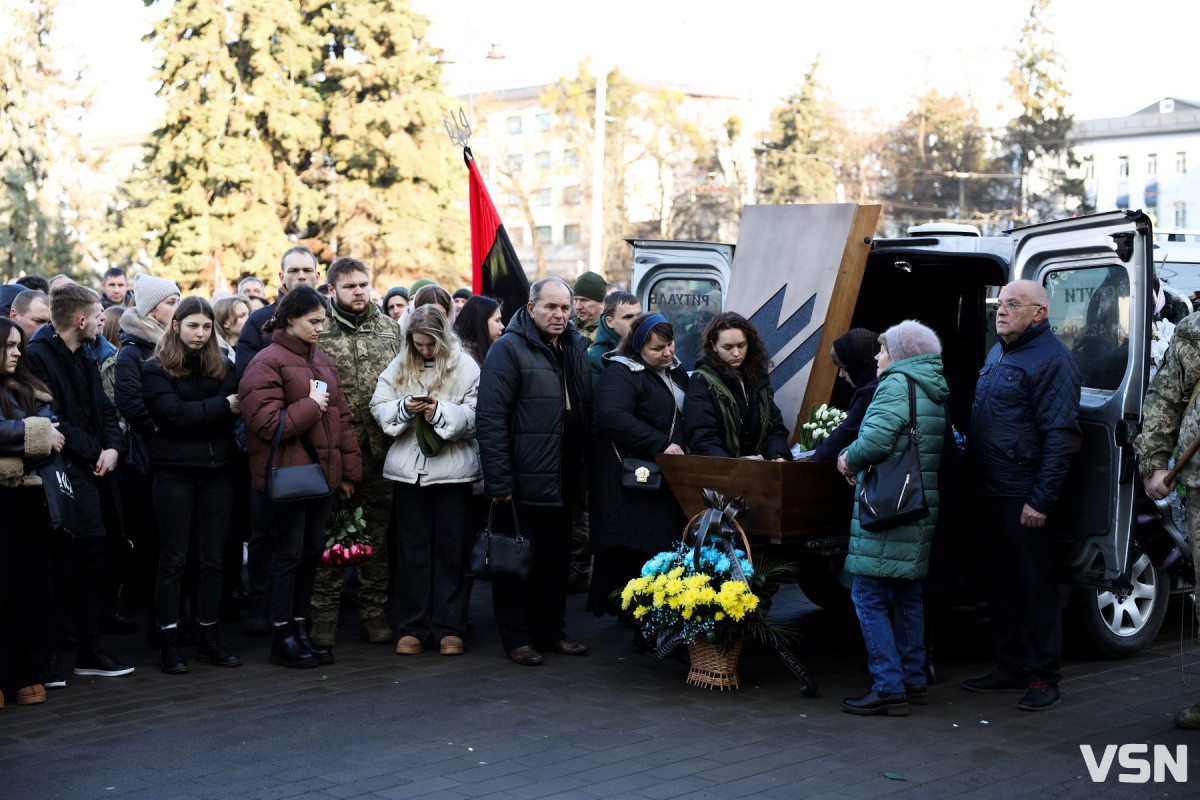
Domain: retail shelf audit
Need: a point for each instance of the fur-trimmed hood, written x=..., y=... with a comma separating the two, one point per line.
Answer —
x=145, y=328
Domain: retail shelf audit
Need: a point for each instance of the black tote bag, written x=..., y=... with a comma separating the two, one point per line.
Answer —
x=501, y=558
x=891, y=492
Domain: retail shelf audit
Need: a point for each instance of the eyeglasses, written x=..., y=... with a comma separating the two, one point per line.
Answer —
x=1013, y=305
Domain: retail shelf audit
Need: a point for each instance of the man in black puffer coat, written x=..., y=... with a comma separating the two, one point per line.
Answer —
x=1023, y=430
x=532, y=421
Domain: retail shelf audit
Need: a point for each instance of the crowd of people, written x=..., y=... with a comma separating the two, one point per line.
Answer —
x=175, y=422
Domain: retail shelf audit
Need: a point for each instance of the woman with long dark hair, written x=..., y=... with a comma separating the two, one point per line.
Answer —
x=190, y=390
x=478, y=325
x=425, y=401
x=294, y=376
x=639, y=402
x=28, y=437
x=730, y=409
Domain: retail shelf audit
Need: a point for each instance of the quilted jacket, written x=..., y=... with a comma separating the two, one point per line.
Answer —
x=902, y=551
x=1024, y=420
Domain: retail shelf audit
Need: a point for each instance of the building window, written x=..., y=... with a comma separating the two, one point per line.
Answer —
x=571, y=158
x=545, y=122
x=542, y=160
x=543, y=234
x=515, y=162
x=1122, y=194
x=514, y=125
x=1123, y=166
x=572, y=196
x=1152, y=165
x=512, y=200
x=1150, y=193
x=1181, y=163
x=571, y=234
x=516, y=235
x=1181, y=215
x=542, y=197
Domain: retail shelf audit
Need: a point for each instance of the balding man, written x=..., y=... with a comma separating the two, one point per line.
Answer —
x=1023, y=430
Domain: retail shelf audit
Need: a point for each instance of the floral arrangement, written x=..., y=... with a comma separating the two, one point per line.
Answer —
x=821, y=421
x=346, y=543
x=696, y=604
x=1161, y=331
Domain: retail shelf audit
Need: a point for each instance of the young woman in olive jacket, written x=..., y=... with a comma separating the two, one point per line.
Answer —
x=639, y=400
x=282, y=376
x=190, y=392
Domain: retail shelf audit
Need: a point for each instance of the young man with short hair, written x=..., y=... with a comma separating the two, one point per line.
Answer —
x=94, y=443
x=619, y=310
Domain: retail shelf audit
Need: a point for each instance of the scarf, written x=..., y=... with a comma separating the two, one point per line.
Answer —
x=731, y=414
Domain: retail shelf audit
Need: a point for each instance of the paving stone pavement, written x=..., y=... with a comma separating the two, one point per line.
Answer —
x=609, y=724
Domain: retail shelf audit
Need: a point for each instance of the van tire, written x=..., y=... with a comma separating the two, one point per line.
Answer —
x=1121, y=627
x=817, y=577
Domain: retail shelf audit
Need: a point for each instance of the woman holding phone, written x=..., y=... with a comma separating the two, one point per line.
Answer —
x=425, y=401
x=293, y=384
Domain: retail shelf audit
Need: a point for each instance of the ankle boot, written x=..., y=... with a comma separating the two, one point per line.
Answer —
x=212, y=651
x=323, y=654
x=288, y=651
x=171, y=658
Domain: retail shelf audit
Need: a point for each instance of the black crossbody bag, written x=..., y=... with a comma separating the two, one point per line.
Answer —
x=304, y=482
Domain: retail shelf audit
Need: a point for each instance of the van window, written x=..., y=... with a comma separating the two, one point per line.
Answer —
x=689, y=304
x=1089, y=312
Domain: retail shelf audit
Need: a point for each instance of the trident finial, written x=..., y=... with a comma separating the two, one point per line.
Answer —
x=459, y=130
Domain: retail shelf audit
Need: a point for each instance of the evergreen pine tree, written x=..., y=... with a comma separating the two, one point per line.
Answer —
x=798, y=163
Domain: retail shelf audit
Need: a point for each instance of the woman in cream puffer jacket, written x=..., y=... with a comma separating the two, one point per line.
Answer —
x=425, y=402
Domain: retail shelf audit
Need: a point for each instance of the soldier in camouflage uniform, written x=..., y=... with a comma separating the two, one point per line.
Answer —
x=362, y=341
x=1172, y=420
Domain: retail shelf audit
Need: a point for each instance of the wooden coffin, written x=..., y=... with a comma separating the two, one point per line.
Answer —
x=791, y=502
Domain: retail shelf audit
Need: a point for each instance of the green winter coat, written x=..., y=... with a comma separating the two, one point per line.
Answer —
x=605, y=342
x=903, y=551
x=362, y=346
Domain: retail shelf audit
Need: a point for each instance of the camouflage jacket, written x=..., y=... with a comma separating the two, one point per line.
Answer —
x=1169, y=419
x=362, y=346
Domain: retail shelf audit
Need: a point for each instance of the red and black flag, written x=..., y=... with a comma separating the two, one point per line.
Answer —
x=496, y=270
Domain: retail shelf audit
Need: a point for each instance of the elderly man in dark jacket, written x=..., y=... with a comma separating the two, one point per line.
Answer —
x=1023, y=430
x=93, y=445
x=532, y=422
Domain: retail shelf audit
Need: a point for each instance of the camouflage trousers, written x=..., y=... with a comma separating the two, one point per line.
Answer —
x=1192, y=507
x=375, y=497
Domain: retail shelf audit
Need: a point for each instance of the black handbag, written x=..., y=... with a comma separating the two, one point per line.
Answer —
x=295, y=483
x=639, y=473
x=891, y=493
x=501, y=558
x=60, y=495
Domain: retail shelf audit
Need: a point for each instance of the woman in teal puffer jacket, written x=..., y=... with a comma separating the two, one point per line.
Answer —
x=888, y=565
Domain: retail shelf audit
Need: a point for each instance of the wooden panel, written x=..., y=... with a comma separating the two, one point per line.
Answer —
x=796, y=274
x=789, y=501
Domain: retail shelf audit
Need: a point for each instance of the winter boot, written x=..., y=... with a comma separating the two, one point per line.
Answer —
x=171, y=658
x=288, y=651
x=211, y=649
x=323, y=654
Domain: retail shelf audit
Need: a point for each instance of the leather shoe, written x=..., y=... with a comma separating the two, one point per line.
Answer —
x=31, y=695
x=323, y=654
x=892, y=704
x=994, y=681
x=288, y=651
x=1040, y=697
x=525, y=656
x=567, y=647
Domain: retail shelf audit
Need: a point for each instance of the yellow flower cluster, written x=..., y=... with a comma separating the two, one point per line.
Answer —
x=687, y=595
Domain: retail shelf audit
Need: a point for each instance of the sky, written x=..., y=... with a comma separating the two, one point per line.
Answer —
x=874, y=55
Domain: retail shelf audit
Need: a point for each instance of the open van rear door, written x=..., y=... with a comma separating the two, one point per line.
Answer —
x=1097, y=271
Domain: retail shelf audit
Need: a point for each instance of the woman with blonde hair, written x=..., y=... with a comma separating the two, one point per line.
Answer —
x=231, y=314
x=425, y=401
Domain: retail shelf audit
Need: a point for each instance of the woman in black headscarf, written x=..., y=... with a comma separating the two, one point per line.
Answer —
x=854, y=354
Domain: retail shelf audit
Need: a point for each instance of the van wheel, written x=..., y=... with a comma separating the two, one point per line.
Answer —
x=817, y=577
x=1119, y=624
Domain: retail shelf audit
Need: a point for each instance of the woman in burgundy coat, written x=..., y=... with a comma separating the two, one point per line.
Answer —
x=287, y=376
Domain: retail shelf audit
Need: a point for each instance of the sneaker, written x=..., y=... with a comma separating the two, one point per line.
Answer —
x=994, y=681
x=1040, y=697
x=53, y=677
x=97, y=661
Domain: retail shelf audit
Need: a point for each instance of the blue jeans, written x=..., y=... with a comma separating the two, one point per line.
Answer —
x=895, y=649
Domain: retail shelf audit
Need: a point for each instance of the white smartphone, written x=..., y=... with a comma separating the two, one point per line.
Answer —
x=320, y=386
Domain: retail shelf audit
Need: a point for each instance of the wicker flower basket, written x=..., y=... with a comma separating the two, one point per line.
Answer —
x=712, y=668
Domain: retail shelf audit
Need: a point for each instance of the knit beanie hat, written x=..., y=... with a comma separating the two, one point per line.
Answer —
x=465, y=294
x=418, y=284
x=910, y=338
x=854, y=351
x=149, y=291
x=591, y=286
x=393, y=292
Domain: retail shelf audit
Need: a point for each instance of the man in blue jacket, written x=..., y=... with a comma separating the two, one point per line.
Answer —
x=1023, y=430
x=532, y=422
